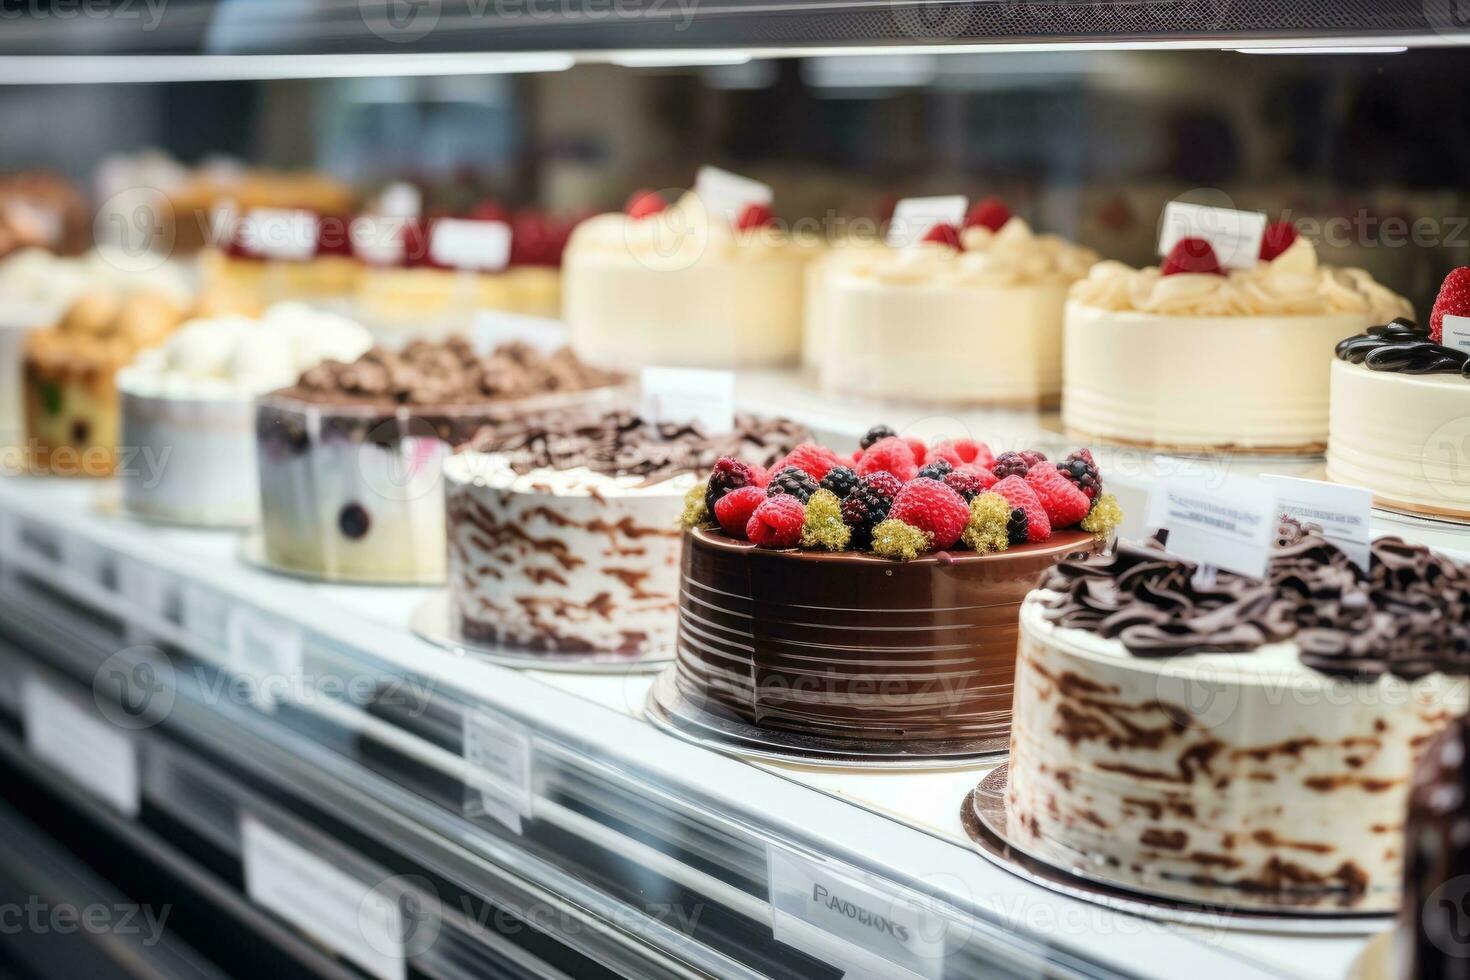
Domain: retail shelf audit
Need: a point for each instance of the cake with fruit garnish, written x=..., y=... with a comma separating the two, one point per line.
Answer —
x=1400, y=419
x=1189, y=357
x=564, y=532
x=245, y=265
x=680, y=285
x=1234, y=740
x=970, y=314
x=350, y=457
x=872, y=597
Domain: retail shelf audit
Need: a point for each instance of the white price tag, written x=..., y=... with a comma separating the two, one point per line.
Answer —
x=1234, y=235
x=1134, y=497
x=66, y=733
x=281, y=234
x=1231, y=526
x=265, y=650
x=461, y=243
x=150, y=589
x=729, y=194
x=914, y=216
x=690, y=395
x=491, y=328
x=1456, y=332
x=323, y=901
x=204, y=614
x=864, y=928
x=497, y=755
x=1341, y=511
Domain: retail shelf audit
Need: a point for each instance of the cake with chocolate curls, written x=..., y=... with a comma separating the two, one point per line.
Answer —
x=1235, y=740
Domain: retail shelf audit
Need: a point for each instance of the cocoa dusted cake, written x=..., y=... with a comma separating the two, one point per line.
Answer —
x=871, y=599
x=1237, y=740
x=350, y=456
x=564, y=534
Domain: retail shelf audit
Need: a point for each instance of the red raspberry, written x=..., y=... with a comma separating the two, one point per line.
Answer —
x=918, y=447
x=1191, y=255
x=968, y=451
x=816, y=460
x=945, y=451
x=644, y=203
x=944, y=233
x=759, y=475
x=755, y=216
x=1032, y=457
x=891, y=454
x=733, y=510
x=990, y=213
x=930, y=505
x=1063, y=500
x=777, y=522
x=1019, y=493
x=1278, y=238
x=1453, y=298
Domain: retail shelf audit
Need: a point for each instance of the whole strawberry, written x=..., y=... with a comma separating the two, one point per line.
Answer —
x=1020, y=494
x=1453, y=298
x=777, y=522
x=728, y=474
x=932, y=507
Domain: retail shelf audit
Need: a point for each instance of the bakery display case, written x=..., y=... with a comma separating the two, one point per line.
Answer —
x=808, y=489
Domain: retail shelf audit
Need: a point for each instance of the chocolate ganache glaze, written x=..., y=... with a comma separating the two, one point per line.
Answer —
x=1409, y=615
x=1401, y=345
x=1433, y=941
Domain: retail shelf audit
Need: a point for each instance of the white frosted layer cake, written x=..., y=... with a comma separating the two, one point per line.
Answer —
x=1199, y=361
x=981, y=324
x=1202, y=751
x=682, y=287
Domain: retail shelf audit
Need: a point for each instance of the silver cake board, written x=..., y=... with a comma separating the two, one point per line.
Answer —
x=983, y=814
x=252, y=552
x=670, y=711
x=1413, y=519
x=432, y=621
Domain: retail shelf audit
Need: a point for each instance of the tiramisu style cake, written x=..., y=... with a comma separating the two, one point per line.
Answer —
x=1187, y=357
x=968, y=315
x=1252, y=735
x=350, y=456
x=1400, y=422
x=565, y=538
x=872, y=598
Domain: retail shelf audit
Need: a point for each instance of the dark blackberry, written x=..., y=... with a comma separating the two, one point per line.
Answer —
x=840, y=480
x=967, y=485
x=728, y=474
x=875, y=433
x=793, y=480
x=1016, y=527
x=1081, y=470
x=936, y=470
x=1010, y=464
x=868, y=504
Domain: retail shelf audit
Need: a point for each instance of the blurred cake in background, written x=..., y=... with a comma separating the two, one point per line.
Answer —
x=43, y=210
x=274, y=255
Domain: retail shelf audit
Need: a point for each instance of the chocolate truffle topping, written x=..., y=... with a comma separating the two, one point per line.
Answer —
x=1402, y=346
x=624, y=443
x=1409, y=615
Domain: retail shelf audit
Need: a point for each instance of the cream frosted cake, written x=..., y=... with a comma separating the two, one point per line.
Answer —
x=681, y=285
x=1400, y=419
x=565, y=539
x=1242, y=735
x=971, y=315
x=1187, y=357
x=188, y=413
x=350, y=457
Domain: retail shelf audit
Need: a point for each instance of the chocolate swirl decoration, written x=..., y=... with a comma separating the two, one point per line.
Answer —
x=1409, y=615
x=1402, y=346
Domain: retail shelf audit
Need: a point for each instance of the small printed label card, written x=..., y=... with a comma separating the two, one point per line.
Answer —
x=462, y=243
x=497, y=755
x=66, y=732
x=690, y=395
x=914, y=216
x=280, y=234
x=1234, y=235
x=729, y=194
x=1456, y=332
x=1341, y=511
x=266, y=650
x=1231, y=526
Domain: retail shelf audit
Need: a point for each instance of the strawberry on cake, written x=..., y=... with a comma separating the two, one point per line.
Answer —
x=872, y=597
x=1191, y=357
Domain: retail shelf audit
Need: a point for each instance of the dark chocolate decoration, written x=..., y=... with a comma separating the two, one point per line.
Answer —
x=1402, y=346
x=353, y=521
x=1435, y=922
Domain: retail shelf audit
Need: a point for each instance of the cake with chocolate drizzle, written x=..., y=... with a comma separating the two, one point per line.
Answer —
x=1173, y=733
x=563, y=533
x=350, y=456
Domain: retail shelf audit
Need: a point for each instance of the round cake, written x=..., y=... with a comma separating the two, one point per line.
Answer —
x=1240, y=736
x=1186, y=358
x=565, y=537
x=681, y=286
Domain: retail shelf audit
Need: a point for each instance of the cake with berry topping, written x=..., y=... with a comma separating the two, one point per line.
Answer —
x=971, y=315
x=680, y=285
x=564, y=533
x=1188, y=357
x=1400, y=411
x=872, y=598
x=1234, y=740
x=350, y=457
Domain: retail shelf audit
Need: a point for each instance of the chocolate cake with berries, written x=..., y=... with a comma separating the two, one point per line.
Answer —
x=871, y=598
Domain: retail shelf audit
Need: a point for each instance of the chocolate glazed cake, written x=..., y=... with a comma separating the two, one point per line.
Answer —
x=852, y=649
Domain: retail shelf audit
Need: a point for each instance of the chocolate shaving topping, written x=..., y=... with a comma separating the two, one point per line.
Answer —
x=624, y=443
x=1402, y=346
x=1409, y=615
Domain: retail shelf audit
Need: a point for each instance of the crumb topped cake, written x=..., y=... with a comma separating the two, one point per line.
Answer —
x=1243, y=735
